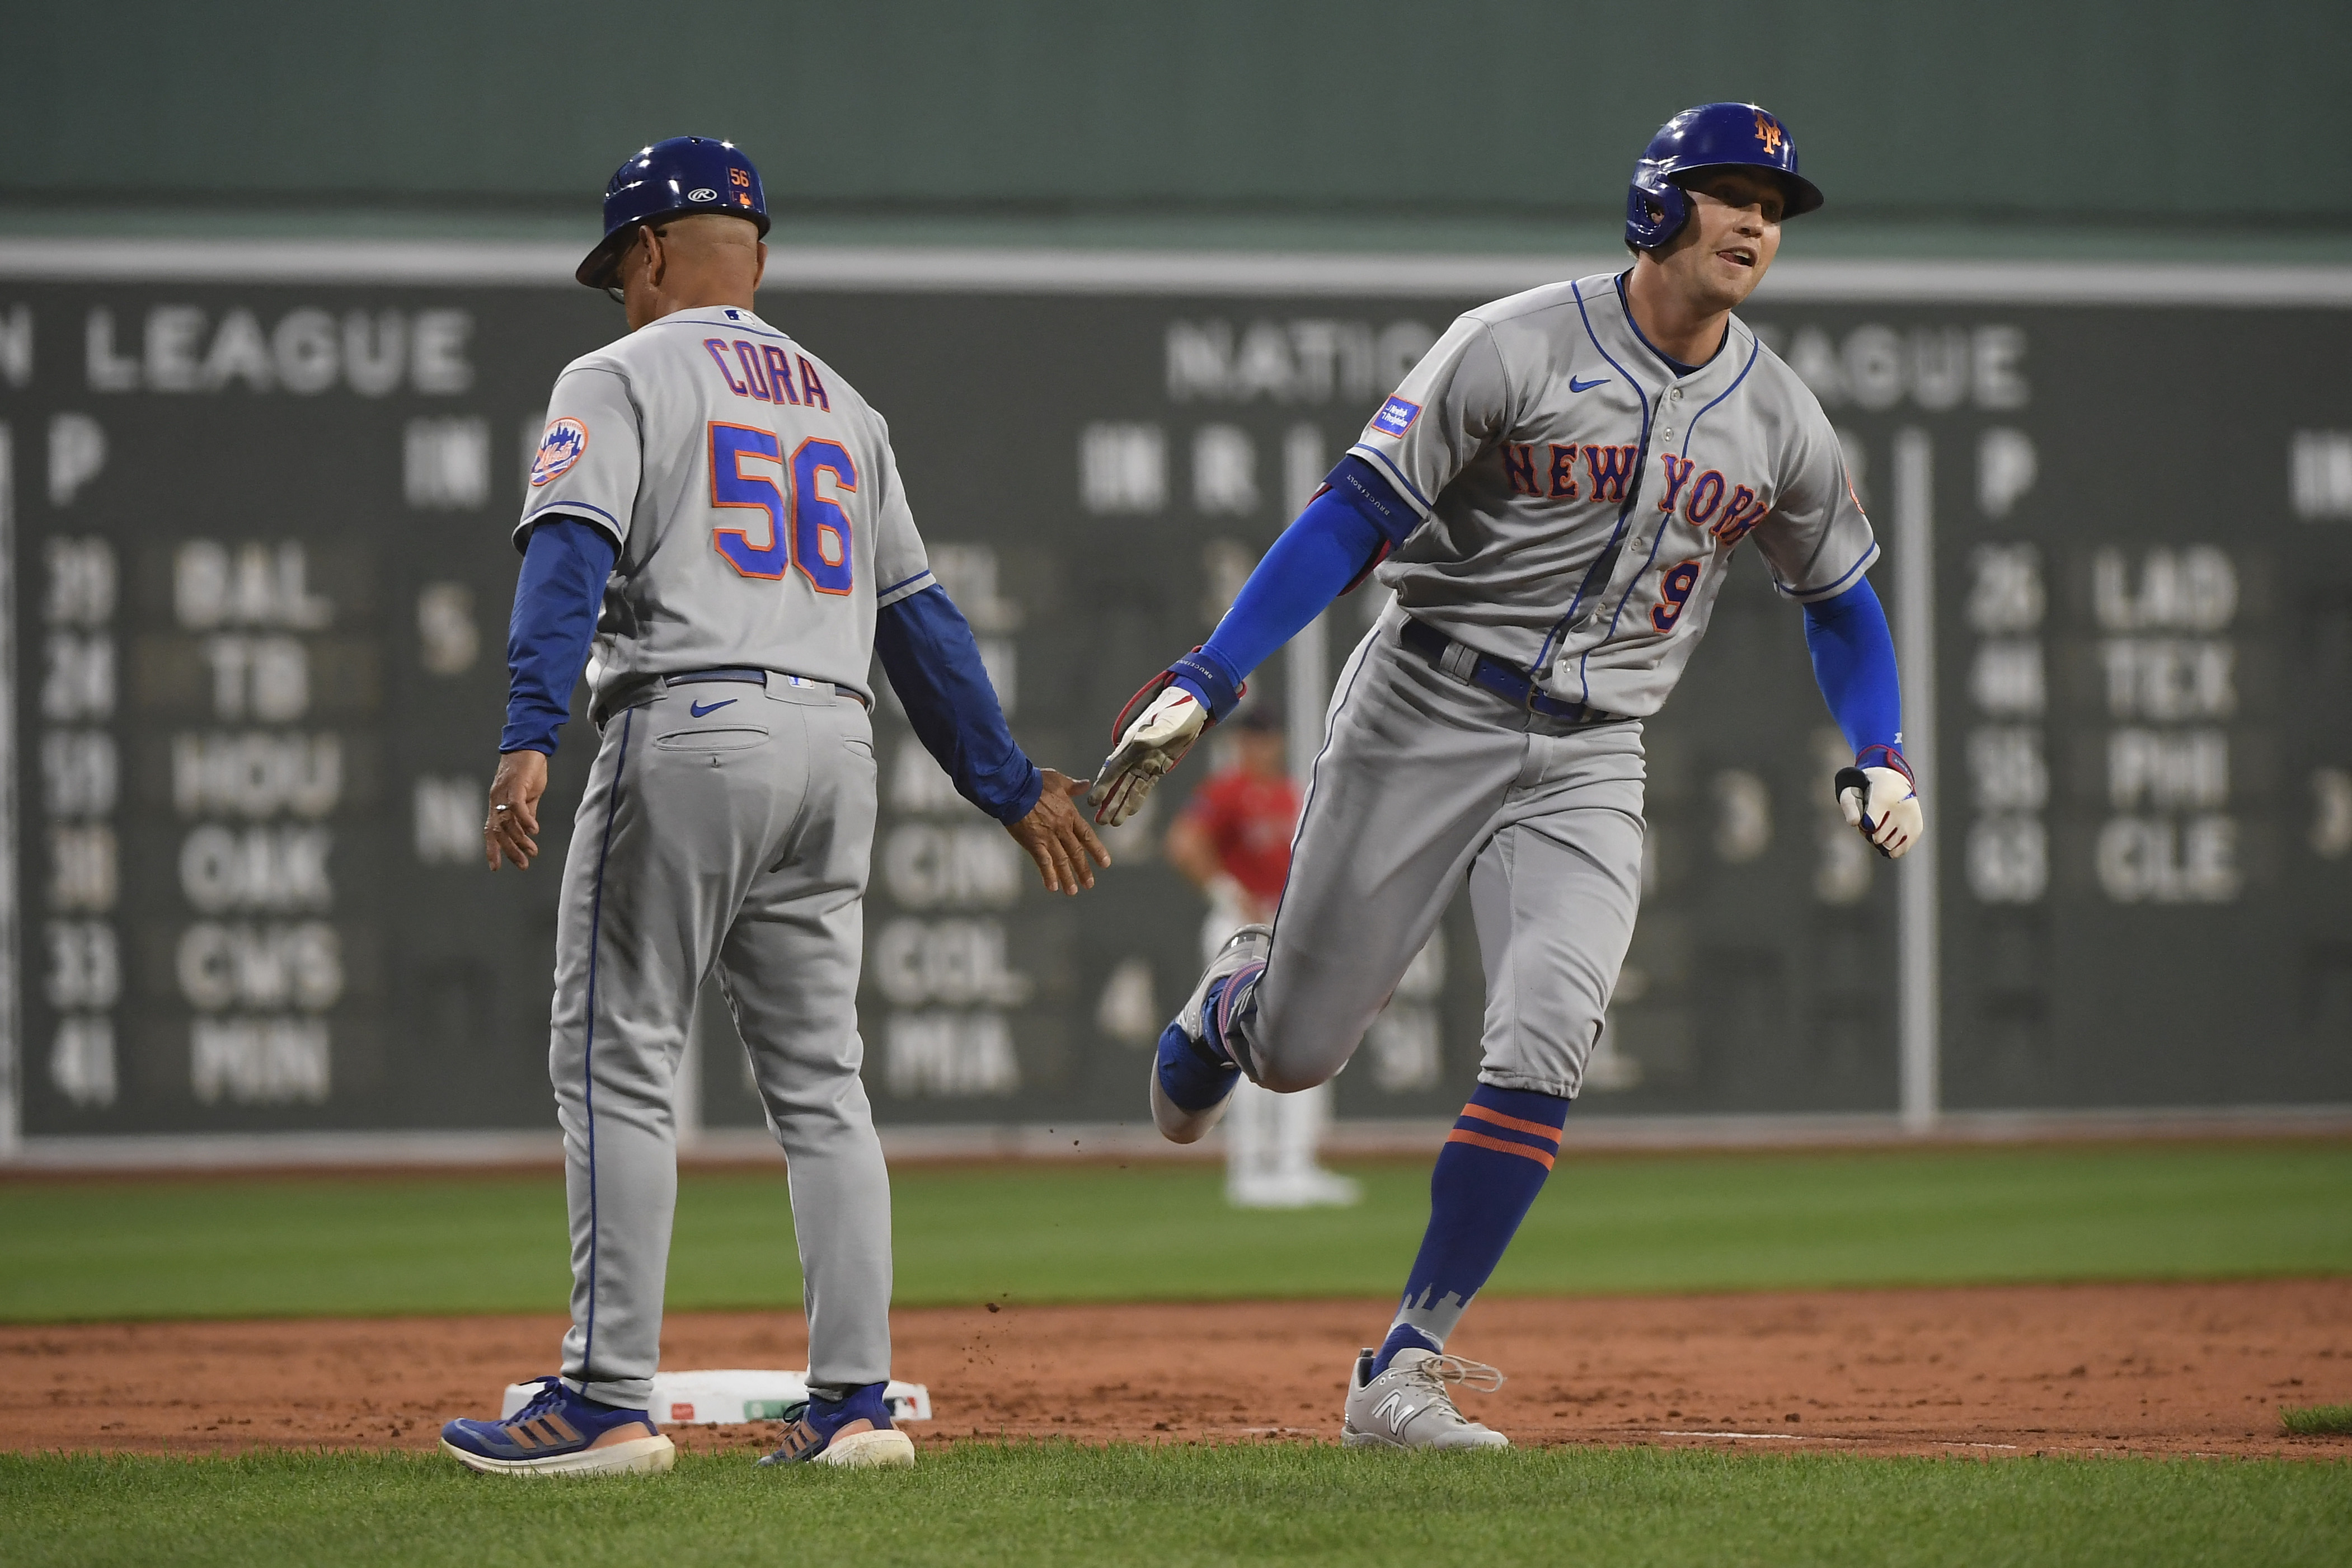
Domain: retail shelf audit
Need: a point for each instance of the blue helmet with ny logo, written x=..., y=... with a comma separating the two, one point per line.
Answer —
x=683, y=175
x=1712, y=136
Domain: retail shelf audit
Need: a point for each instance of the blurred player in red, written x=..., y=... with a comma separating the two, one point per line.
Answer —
x=1232, y=842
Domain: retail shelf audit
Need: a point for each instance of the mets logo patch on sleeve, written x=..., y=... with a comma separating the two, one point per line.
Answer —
x=1395, y=416
x=557, y=450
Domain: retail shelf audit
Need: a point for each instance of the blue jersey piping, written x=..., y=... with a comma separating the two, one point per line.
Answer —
x=1726, y=392
x=1868, y=557
x=588, y=1052
x=1382, y=457
x=1660, y=537
x=1641, y=466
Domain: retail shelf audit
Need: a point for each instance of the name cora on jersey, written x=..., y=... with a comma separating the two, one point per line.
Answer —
x=767, y=374
x=560, y=448
x=1707, y=502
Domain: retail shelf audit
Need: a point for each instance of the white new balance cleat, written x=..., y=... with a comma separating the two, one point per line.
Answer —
x=1409, y=1407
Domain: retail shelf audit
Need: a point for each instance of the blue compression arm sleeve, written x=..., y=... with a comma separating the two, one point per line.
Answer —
x=1344, y=530
x=1854, y=659
x=928, y=652
x=556, y=600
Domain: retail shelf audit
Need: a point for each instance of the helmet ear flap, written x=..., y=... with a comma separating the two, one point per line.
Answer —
x=1655, y=211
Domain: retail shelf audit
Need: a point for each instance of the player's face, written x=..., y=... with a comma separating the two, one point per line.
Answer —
x=1734, y=233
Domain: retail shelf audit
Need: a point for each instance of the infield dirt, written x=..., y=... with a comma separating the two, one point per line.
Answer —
x=2154, y=1369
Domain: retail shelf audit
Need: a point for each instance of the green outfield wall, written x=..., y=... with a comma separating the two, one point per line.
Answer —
x=2176, y=113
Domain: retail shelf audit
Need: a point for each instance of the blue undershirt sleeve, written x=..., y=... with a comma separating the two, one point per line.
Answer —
x=927, y=650
x=1853, y=661
x=564, y=566
x=1351, y=524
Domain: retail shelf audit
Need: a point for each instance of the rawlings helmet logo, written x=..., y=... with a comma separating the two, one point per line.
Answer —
x=557, y=450
x=702, y=193
x=1768, y=132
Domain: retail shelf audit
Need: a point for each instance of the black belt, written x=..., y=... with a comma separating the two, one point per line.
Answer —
x=1465, y=663
x=749, y=677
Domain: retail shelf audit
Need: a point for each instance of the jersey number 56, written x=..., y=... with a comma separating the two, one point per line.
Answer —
x=811, y=533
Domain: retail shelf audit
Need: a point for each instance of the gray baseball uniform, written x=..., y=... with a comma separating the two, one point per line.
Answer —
x=730, y=816
x=1581, y=499
x=721, y=455
x=1541, y=431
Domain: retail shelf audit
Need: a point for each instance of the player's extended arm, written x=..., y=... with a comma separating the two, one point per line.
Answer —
x=927, y=650
x=562, y=584
x=1354, y=520
x=1853, y=661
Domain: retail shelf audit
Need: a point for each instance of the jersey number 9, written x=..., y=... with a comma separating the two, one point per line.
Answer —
x=1675, y=587
x=815, y=537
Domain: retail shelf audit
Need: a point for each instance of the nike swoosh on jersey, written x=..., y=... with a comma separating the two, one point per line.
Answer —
x=701, y=710
x=1576, y=385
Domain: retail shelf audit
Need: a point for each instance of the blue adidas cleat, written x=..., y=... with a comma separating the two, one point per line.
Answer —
x=561, y=1432
x=855, y=1433
x=1191, y=1079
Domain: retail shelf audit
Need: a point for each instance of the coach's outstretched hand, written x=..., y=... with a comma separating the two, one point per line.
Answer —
x=511, y=829
x=1057, y=838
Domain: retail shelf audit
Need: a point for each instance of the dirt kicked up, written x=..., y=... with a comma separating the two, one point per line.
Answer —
x=2143, y=1369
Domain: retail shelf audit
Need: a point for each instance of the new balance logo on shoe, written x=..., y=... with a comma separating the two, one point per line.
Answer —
x=1409, y=1406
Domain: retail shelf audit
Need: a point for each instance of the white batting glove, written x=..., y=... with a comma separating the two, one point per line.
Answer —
x=1884, y=806
x=1153, y=744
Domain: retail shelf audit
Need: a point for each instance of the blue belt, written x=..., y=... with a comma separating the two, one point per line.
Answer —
x=749, y=677
x=1463, y=662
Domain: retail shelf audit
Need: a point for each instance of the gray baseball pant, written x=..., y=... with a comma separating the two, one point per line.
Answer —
x=1425, y=779
x=740, y=839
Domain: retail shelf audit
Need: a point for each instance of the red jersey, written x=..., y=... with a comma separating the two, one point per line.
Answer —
x=1250, y=821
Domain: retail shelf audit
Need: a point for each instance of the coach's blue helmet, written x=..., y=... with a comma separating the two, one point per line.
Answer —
x=670, y=179
x=1712, y=136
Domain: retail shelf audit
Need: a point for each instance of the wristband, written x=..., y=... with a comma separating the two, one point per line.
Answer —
x=1205, y=673
x=1888, y=757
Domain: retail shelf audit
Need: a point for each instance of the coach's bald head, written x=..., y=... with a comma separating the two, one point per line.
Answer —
x=686, y=263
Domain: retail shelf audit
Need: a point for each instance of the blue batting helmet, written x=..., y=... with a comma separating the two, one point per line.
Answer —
x=1712, y=136
x=670, y=179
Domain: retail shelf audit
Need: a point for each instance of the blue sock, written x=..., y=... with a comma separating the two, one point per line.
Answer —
x=1401, y=1337
x=1194, y=1074
x=1494, y=1163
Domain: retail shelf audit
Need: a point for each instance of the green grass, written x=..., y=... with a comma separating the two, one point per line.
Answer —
x=1263, y=1505
x=2318, y=1420
x=288, y=1247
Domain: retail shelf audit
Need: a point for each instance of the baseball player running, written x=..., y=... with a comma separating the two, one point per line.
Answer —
x=1554, y=495
x=722, y=510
